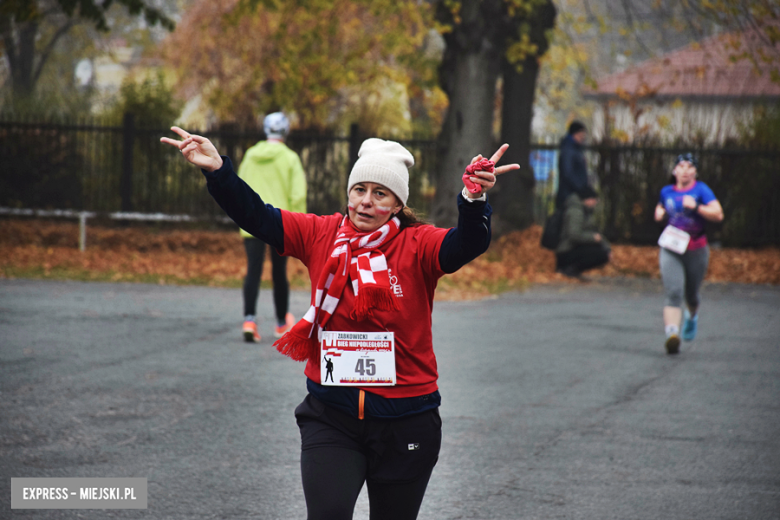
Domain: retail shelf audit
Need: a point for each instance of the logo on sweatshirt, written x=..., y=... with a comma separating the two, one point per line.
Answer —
x=395, y=285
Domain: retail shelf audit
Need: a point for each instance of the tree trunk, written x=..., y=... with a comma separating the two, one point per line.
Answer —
x=513, y=196
x=467, y=129
x=25, y=54
x=474, y=57
x=21, y=57
x=468, y=74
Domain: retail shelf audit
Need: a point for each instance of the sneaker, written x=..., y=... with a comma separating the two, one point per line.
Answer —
x=690, y=325
x=289, y=321
x=250, y=332
x=673, y=344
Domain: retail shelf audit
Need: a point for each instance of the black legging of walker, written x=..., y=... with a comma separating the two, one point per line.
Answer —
x=255, y=255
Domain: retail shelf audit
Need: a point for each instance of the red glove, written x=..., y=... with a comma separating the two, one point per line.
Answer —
x=484, y=165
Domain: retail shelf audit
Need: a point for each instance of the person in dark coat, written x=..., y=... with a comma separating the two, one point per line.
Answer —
x=572, y=168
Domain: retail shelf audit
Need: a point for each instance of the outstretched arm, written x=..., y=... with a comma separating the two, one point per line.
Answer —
x=240, y=202
x=471, y=237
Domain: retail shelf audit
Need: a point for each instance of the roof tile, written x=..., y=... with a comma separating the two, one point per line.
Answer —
x=704, y=69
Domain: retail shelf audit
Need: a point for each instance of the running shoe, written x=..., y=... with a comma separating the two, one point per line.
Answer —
x=250, y=332
x=289, y=320
x=690, y=325
x=673, y=344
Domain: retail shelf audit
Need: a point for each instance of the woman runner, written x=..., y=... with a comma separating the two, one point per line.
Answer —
x=373, y=273
x=684, y=254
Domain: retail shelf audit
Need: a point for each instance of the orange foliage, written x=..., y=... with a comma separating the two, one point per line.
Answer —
x=248, y=58
x=132, y=254
x=50, y=249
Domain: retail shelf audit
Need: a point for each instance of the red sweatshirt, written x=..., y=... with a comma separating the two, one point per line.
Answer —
x=413, y=265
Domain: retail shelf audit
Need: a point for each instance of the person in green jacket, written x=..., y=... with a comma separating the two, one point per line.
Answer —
x=581, y=246
x=275, y=172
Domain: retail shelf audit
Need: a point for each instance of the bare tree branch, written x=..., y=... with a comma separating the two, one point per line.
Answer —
x=46, y=52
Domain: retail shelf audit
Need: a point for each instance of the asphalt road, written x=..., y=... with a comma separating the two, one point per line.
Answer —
x=558, y=402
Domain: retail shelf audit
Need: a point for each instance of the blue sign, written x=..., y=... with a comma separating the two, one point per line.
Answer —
x=544, y=163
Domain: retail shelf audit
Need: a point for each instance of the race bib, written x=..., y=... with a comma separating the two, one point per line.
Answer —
x=357, y=358
x=674, y=239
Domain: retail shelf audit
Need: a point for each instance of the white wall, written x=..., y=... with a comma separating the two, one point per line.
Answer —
x=714, y=121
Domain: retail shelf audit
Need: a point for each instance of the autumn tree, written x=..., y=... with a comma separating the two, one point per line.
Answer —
x=514, y=198
x=754, y=24
x=486, y=38
x=320, y=58
x=601, y=36
x=31, y=29
x=314, y=58
x=150, y=101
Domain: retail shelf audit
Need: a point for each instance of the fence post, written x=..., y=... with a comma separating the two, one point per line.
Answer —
x=354, y=145
x=82, y=230
x=126, y=182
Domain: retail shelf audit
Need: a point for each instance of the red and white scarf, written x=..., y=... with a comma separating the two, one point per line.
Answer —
x=356, y=256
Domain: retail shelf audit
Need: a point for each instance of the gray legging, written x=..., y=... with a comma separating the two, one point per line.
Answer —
x=683, y=274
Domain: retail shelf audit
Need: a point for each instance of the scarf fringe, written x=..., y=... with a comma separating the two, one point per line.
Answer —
x=296, y=347
x=370, y=298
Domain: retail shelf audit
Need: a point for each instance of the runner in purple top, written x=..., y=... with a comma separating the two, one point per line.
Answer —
x=684, y=217
x=687, y=203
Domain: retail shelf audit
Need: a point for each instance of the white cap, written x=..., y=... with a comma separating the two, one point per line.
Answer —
x=276, y=126
x=383, y=162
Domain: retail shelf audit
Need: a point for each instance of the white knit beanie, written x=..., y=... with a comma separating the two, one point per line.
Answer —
x=383, y=162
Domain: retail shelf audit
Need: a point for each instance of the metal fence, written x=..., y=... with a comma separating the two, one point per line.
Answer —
x=102, y=167
x=630, y=178
x=90, y=166
x=746, y=182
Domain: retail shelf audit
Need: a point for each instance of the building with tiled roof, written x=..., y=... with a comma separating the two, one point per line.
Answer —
x=697, y=92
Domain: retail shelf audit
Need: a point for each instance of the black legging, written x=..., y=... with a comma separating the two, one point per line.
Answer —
x=339, y=452
x=255, y=255
x=332, y=479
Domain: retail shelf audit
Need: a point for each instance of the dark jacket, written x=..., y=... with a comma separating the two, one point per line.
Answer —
x=579, y=226
x=572, y=170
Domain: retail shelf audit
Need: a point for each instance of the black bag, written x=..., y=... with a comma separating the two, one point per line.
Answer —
x=552, y=230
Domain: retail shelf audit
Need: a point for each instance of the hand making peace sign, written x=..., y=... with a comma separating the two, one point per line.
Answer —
x=196, y=149
x=486, y=179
